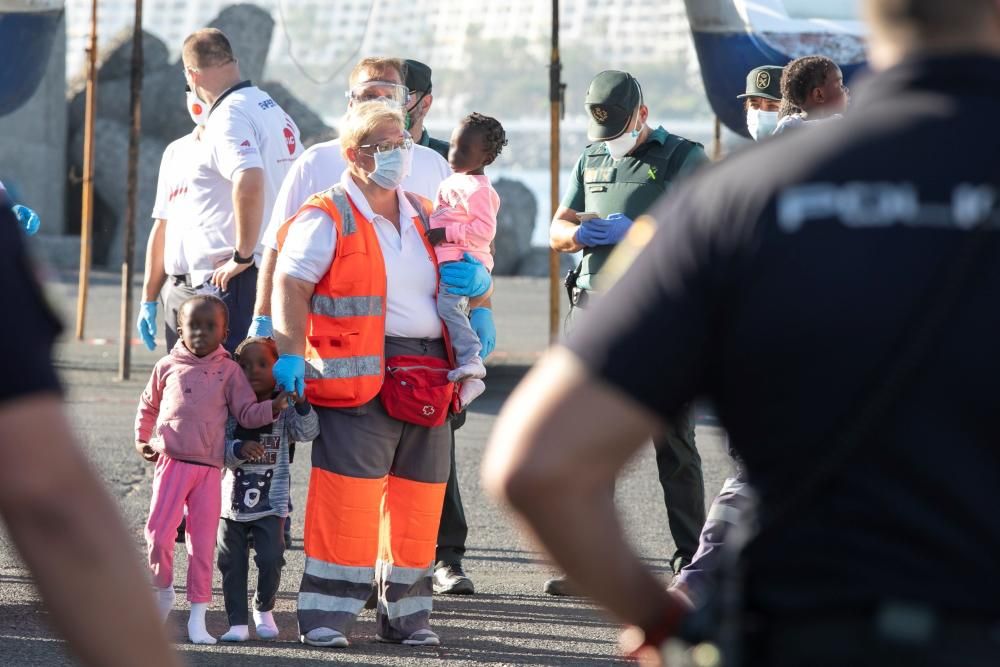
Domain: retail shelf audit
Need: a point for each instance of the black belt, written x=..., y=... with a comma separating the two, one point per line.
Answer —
x=184, y=279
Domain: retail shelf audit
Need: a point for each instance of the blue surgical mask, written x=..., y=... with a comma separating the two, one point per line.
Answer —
x=391, y=167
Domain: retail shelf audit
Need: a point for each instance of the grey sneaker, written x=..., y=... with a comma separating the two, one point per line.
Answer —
x=561, y=586
x=324, y=637
x=423, y=637
x=450, y=579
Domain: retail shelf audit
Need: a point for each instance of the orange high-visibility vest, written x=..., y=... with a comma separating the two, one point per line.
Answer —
x=345, y=335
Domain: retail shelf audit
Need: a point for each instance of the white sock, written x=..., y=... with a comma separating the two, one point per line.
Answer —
x=266, y=627
x=165, y=601
x=473, y=369
x=237, y=633
x=470, y=390
x=197, y=632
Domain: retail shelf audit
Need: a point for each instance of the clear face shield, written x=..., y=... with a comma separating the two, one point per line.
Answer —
x=392, y=94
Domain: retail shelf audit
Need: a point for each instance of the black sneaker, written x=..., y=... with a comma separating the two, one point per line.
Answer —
x=450, y=579
x=561, y=586
x=180, y=539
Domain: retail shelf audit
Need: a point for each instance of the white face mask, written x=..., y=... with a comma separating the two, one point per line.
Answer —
x=761, y=124
x=197, y=108
x=620, y=146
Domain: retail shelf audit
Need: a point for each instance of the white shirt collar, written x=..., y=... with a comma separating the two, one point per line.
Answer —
x=406, y=211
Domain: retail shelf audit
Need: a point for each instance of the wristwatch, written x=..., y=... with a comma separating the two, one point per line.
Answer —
x=239, y=259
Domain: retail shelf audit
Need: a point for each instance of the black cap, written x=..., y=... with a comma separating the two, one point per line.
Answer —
x=418, y=76
x=612, y=98
x=764, y=82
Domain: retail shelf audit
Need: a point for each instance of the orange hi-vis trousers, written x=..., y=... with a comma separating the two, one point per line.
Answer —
x=374, y=504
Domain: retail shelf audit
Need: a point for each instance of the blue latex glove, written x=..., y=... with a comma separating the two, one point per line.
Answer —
x=290, y=373
x=147, y=324
x=28, y=219
x=603, y=231
x=260, y=326
x=466, y=278
x=482, y=323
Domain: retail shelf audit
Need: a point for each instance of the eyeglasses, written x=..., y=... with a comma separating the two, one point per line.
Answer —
x=391, y=93
x=388, y=146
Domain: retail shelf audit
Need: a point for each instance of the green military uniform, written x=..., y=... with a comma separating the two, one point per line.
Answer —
x=629, y=186
x=436, y=145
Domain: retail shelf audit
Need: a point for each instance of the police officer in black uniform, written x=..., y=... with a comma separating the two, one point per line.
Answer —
x=839, y=307
x=628, y=167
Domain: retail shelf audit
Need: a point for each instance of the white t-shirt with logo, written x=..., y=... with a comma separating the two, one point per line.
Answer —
x=411, y=278
x=246, y=129
x=320, y=168
x=171, y=198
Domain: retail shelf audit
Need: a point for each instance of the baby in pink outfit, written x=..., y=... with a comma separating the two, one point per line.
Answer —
x=465, y=221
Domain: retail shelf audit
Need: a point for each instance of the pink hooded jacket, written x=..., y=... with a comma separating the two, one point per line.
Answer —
x=183, y=409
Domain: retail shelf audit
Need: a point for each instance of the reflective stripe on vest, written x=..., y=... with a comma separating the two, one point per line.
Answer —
x=345, y=367
x=346, y=306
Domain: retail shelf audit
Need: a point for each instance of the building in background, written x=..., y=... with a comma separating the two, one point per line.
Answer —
x=325, y=33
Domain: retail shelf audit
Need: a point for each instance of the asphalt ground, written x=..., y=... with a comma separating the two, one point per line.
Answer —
x=509, y=621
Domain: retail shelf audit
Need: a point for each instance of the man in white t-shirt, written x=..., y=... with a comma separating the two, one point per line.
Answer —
x=321, y=166
x=166, y=265
x=248, y=145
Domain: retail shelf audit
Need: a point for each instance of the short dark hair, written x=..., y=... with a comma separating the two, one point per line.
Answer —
x=927, y=18
x=798, y=80
x=208, y=47
x=256, y=340
x=492, y=131
x=198, y=299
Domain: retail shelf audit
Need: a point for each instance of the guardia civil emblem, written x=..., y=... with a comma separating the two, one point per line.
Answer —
x=599, y=114
x=763, y=80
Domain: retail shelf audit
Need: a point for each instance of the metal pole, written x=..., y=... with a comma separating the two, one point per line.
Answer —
x=87, y=205
x=717, y=141
x=125, y=334
x=556, y=99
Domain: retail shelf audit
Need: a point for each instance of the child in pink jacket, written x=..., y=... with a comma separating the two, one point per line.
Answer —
x=181, y=426
x=465, y=222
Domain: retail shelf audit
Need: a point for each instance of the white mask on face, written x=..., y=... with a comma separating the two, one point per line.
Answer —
x=620, y=146
x=197, y=108
x=761, y=124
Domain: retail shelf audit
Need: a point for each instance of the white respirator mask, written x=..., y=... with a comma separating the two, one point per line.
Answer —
x=761, y=124
x=197, y=108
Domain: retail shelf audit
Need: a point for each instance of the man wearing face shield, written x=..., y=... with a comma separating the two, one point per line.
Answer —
x=321, y=165
x=628, y=167
x=418, y=81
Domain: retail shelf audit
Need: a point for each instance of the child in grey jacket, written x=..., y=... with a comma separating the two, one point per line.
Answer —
x=255, y=493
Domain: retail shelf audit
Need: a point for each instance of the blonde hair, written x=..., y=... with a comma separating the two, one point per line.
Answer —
x=377, y=67
x=362, y=119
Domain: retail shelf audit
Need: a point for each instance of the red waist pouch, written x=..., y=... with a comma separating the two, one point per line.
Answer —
x=416, y=389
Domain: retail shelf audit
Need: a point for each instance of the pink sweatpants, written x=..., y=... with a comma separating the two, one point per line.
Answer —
x=176, y=484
